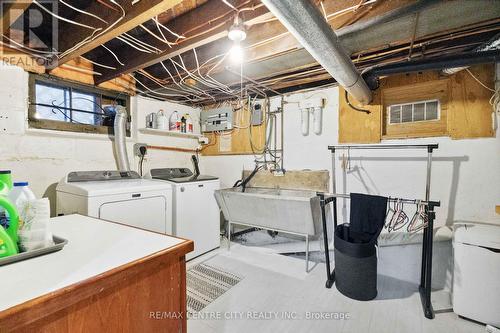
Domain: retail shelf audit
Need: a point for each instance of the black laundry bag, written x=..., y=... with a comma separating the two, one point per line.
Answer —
x=355, y=247
x=355, y=266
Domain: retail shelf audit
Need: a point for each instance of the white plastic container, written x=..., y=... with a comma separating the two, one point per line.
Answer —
x=189, y=123
x=161, y=120
x=476, y=278
x=20, y=195
x=35, y=232
x=174, y=122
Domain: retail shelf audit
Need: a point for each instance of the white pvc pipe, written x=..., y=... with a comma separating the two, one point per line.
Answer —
x=317, y=120
x=304, y=121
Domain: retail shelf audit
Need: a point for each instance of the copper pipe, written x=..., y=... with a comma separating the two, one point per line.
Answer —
x=107, y=5
x=167, y=148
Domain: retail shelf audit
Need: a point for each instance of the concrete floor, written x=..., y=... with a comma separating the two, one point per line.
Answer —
x=276, y=295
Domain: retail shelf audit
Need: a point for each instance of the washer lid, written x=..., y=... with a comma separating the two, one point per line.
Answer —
x=479, y=234
x=111, y=187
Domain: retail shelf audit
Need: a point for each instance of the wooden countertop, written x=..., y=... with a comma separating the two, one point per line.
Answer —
x=99, y=255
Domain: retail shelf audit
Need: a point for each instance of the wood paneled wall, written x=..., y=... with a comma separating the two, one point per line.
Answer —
x=465, y=103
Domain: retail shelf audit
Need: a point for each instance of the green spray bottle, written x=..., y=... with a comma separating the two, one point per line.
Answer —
x=8, y=237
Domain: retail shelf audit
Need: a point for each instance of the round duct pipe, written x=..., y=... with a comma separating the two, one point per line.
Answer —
x=306, y=23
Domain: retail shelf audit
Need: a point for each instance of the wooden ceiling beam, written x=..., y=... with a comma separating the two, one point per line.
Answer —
x=207, y=23
x=135, y=15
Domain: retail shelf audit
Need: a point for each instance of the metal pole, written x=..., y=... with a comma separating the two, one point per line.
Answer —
x=402, y=200
x=282, y=115
x=334, y=187
x=307, y=253
x=228, y=235
x=275, y=124
x=428, y=179
x=429, y=146
x=329, y=279
x=429, y=312
x=424, y=270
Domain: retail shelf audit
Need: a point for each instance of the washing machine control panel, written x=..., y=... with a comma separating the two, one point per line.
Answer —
x=170, y=173
x=86, y=176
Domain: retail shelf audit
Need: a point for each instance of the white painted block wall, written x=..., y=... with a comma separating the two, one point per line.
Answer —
x=465, y=174
x=43, y=157
x=159, y=158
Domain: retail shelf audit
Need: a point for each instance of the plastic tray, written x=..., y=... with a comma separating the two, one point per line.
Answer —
x=58, y=245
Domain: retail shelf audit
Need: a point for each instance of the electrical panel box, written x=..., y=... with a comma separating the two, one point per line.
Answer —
x=219, y=119
x=257, y=110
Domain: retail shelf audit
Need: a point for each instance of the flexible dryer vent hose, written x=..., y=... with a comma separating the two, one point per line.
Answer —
x=120, y=138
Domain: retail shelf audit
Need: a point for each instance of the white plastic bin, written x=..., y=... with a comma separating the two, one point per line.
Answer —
x=476, y=280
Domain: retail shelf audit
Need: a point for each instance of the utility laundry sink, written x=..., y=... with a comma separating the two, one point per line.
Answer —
x=289, y=211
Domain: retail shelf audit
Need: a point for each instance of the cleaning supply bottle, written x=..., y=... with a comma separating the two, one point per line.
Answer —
x=6, y=178
x=8, y=236
x=189, y=123
x=183, y=124
x=174, y=123
x=20, y=195
x=161, y=120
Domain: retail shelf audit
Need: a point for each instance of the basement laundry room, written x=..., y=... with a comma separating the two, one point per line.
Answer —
x=250, y=166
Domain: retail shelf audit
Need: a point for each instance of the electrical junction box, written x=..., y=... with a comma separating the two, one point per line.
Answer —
x=311, y=103
x=220, y=119
x=257, y=110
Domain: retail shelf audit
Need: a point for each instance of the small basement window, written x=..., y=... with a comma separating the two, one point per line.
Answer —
x=413, y=112
x=60, y=105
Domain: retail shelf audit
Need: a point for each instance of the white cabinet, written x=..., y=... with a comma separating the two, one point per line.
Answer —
x=476, y=278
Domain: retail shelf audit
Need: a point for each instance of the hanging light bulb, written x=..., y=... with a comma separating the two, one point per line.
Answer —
x=237, y=31
x=237, y=34
x=236, y=54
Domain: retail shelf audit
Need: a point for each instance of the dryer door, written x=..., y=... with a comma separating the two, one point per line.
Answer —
x=145, y=213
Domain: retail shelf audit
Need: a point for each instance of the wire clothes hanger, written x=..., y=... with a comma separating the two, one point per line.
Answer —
x=399, y=218
x=419, y=220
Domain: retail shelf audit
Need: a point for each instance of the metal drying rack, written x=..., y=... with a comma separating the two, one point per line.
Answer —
x=426, y=269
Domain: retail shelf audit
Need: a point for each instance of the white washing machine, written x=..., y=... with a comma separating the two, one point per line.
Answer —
x=122, y=197
x=195, y=212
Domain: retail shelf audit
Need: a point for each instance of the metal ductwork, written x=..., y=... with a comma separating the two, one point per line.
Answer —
x=306, y=23
x=435, y=63
x=120, y=138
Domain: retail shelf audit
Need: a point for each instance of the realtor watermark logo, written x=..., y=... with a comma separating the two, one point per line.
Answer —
x=31, y=28
x=251, y=315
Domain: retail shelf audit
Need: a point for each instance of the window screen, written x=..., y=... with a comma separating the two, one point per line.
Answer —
x=413, y=112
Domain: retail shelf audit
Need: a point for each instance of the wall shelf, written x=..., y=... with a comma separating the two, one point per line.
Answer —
x=154, y=131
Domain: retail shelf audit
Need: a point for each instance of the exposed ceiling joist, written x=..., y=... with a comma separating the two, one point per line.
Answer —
x=270, y=38
x=136, y=14
x=212, y=11
x=444, y=16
